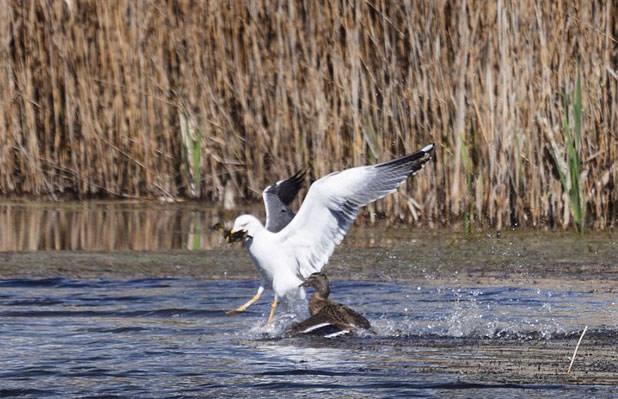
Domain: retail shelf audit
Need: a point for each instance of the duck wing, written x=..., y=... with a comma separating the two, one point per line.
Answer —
x=318, y=324
x=334, y=319
x=344, y=317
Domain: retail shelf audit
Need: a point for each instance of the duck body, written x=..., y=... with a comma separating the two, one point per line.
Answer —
x=328, y=318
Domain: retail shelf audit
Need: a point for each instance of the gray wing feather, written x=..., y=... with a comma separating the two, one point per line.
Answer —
x=277, y=198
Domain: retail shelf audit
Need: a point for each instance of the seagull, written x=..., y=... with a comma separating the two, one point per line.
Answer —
x=328, y=318
x=285, y=258
x=277, y=199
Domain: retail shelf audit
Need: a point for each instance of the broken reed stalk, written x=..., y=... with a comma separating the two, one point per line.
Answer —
x=203, y=99
x=576, y=348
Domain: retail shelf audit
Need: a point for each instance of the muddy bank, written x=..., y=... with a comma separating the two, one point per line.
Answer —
x=547, y=259
x=494, y=361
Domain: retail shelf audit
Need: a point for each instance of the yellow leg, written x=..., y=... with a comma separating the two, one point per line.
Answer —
x=271, y=316
x=246, y=305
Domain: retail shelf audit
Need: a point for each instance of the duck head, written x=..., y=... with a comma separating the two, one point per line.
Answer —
x=319, y=282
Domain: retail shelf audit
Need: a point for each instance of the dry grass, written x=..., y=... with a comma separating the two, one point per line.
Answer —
x=93, y=94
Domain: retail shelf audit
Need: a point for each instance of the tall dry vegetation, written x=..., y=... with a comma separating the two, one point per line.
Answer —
x=94, y=93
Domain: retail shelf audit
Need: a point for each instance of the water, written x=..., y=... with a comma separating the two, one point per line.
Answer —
x=169, y=337
x=107, y=226
x=127, y=299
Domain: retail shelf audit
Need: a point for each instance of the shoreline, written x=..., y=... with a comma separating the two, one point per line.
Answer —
x=234, y=264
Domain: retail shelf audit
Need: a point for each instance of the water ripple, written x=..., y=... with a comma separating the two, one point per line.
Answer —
x=170, y=338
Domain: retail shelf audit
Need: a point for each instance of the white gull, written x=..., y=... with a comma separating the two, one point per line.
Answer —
x=302, y=246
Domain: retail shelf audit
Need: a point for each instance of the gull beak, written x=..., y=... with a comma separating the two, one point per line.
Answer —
x=234, y=236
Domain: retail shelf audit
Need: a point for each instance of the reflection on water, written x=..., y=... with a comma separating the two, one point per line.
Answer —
x=106, y=226
x=139, y=226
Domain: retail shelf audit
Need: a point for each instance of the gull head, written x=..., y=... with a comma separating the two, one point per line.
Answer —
x=244, y=226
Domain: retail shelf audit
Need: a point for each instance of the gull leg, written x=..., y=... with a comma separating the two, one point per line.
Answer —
x=271, y=316
x=246, y=305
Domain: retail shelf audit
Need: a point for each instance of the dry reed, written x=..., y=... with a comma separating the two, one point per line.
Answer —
x=576, y=349
x=94, y=93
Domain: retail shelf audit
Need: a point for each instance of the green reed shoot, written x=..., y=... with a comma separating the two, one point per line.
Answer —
x=570, y=174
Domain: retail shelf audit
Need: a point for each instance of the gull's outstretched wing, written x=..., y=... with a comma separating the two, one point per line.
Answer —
x=333, y=202
x=277, y=197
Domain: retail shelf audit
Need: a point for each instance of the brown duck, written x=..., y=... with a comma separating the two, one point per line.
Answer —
x=328, y=318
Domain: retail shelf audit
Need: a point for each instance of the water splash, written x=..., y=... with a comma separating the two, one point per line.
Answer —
x=491, y=312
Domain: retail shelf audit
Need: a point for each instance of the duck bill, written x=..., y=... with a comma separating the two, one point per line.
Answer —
x=234, y=236
x=305, y=284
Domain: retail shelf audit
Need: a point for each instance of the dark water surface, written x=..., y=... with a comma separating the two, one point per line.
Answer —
x=169, y=338
x=86, y=310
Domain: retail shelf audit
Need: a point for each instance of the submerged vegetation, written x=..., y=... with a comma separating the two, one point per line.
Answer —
x=217, y=99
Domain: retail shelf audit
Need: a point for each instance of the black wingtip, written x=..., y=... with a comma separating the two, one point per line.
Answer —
x=287, y=189
x=299, y=176
x=414, y=161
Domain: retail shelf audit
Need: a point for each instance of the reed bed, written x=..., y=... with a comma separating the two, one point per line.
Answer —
x=216, y=99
